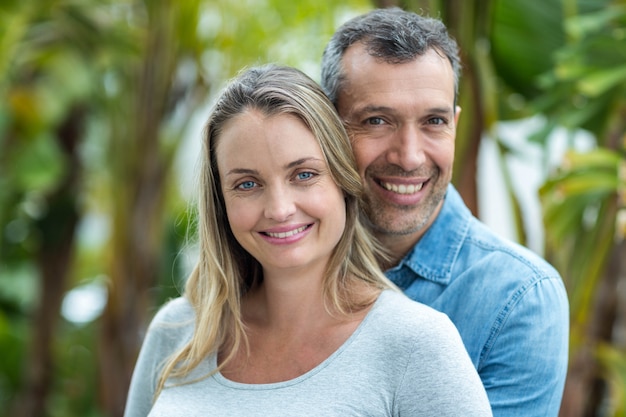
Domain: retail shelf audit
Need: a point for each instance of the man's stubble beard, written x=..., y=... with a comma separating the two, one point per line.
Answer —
x=387, y=219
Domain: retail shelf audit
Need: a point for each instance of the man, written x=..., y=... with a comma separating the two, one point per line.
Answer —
x=393, y=76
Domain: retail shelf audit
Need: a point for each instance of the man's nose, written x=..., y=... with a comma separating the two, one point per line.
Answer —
x=407, y=148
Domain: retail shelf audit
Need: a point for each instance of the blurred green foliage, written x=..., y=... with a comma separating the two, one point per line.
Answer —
x=98, y=95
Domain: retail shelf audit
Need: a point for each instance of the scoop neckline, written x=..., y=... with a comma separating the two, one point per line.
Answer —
x=221, y=379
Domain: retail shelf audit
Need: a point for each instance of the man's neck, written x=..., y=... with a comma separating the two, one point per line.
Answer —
x=397, y=246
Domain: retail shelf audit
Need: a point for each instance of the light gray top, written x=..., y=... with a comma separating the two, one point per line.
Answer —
x=404, y=359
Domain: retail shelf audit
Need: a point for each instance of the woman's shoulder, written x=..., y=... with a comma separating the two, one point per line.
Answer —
x=176, y=313
x=398, y=314
x=403, y=308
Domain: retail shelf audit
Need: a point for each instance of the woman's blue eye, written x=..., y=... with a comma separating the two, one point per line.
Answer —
x=305, y=175
x=246, y=185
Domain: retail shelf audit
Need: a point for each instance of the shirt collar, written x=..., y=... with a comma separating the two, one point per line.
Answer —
x=434, y=255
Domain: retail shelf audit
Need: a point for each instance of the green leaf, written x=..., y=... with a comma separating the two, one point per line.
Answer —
x=613, y=361
x=586, y=24
x=600, y=158
x=525, y=35
x=592, y=184
x=600, y=81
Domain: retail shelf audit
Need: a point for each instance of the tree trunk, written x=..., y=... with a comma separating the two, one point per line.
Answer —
x=54, y=262
x=139, y=187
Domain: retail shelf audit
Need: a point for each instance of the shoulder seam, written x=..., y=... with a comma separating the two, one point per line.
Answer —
x=505, y=312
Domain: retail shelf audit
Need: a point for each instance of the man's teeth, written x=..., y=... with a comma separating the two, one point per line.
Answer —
x=283, y=235
x=402, y=188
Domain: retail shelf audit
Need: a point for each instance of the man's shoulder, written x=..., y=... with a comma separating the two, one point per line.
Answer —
x=458, y=243
x=509, y=279
x=485, y=248
x=469, y=257
x=482, y=245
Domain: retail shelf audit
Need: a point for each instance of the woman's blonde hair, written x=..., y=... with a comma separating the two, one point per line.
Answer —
x=225, y=271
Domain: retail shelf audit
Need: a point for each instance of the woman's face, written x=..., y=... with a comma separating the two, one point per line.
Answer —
x=283, y=206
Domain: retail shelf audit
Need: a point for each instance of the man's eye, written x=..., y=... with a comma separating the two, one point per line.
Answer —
x=437, y=121
x=246, y=185
x=375, y=121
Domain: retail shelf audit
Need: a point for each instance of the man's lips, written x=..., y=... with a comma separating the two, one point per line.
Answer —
x=401, y=188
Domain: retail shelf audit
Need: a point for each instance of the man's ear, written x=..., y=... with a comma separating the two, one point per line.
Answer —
x=457, y=112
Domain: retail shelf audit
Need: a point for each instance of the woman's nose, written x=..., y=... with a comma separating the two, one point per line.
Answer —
x=279, y=204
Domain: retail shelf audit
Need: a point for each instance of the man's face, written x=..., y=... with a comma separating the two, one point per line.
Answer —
x=402, y=121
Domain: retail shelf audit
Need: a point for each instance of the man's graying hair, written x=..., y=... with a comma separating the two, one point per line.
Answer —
x=393, y=35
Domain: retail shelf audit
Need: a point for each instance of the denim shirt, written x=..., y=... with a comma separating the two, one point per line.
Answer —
x=509, y=305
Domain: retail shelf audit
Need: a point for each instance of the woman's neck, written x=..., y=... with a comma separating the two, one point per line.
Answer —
x=289, y=331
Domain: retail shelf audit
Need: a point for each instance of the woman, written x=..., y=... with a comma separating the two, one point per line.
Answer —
x=286, y=312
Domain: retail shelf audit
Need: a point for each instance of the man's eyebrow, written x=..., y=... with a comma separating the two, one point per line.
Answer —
x=387, y=109
x=374, y=109
x=441, y=110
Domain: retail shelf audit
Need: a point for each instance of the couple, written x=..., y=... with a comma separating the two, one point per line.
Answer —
x=288, y=312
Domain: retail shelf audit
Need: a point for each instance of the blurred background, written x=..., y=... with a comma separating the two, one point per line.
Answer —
x=101, y=108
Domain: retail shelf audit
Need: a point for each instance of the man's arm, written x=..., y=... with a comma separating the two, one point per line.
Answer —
x=524, y=364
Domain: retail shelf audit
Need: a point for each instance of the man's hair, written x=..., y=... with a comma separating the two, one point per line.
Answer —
x=392, y=35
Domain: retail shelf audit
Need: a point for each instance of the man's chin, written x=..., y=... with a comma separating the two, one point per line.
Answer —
x=389, y=227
